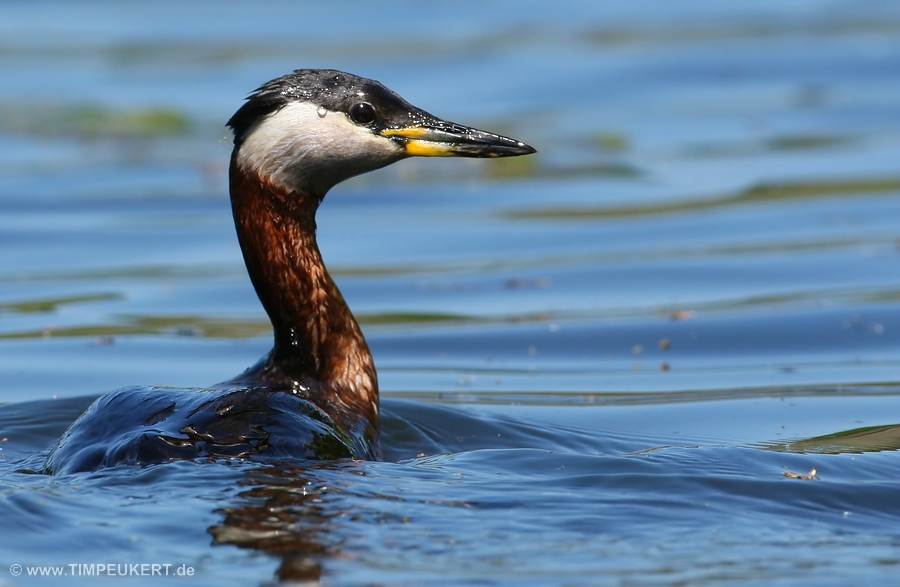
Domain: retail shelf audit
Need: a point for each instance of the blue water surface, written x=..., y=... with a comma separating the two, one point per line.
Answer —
x=616, y=362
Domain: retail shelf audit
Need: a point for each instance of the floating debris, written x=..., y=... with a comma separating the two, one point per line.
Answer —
x=539, y=283
x=682, y=315
x=810, y=477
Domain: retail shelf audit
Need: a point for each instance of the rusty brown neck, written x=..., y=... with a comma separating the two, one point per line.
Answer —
x=319, y=351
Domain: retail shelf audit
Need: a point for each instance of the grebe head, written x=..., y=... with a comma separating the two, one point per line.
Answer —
x=313, y=128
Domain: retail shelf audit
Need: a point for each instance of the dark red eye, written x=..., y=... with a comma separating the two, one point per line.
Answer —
x=362, y=113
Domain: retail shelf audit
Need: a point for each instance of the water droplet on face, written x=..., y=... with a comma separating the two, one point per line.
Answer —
x=321, y=112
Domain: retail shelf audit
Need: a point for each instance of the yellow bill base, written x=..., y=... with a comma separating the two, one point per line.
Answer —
x=412, y=132
x=428, y=149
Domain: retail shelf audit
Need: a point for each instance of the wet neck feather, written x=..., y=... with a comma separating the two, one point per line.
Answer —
x=319, y=349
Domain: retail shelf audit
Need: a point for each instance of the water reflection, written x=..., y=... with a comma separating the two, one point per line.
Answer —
x=282, y=512
x=858, y=440
x=767, y=192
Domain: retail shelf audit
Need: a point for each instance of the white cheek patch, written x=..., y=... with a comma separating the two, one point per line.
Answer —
x=301, y=149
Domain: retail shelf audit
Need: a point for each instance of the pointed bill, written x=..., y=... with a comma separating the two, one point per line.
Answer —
x=434, y=137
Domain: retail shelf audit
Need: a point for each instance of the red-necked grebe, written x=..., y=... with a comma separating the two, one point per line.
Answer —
x=315, y=395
